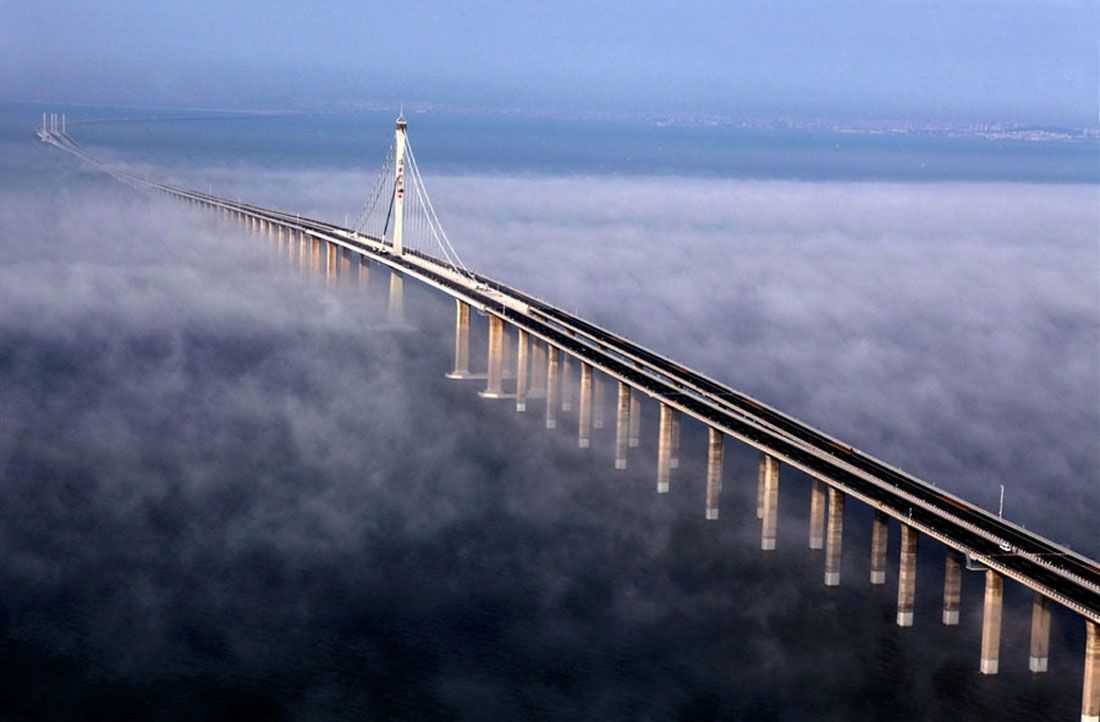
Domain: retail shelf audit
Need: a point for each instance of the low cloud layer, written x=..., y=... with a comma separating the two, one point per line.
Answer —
x=951, y=329
x=227, y=490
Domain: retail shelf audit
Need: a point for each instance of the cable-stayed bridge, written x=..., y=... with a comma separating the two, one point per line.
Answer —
x=534, y=346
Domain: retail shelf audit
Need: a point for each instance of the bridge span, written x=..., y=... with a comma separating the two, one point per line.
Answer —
x=542, y=342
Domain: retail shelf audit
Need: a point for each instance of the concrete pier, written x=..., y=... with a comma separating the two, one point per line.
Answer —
x=552, y=390
x=991, y=622
x=878, y=547
x=907, y=575
x=635, y=419
x=664, y=444
x=584, y=408
x=599, y=403
x=349, y=265
x=760, y=486
x=674, y=449
x=817, y=514
x=1040, y=634
x=494, y=388
x=566, y=382
x=508, y=353
x=395, y=312
x=715, y=451
x=952, y=588
x=622, y=424
x=332, y=260
x=462, y=339
x=509, y=365
x=362, y=279
x=537, y=388
x=771, y=502
x=1090, y=691
x=315, y=261
x=834, y=537
x=523, y=346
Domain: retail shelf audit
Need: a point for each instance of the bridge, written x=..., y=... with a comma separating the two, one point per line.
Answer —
x=534, y=345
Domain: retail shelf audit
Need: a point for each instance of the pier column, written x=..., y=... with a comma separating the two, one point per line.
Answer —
x=760, y=486
x=715, y=450
x=834, y=537
x=332, y=259
x=584, y=411
x=991, y=622
x=1040, y=634
x=362, y=279
x=771, y=502
x=522, y=348
x=952, y=588
x=664, y=441
x=622, y=424
x=674, y=451
x=462, y=338
x=508, y=367
x=537, y=387
x=396, y=311
x=817, y=514
x=495, y=363
x=551, y=387
x=349, y=264
x=907, y=575
x=879, y=538
x=566, y=382
x=315, y=263
x=1090, y=692
x=635, y=419
x=599, y=411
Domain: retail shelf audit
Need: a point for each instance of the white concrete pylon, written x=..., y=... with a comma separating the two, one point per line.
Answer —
x=1040, y=634
x=715, y=451
x=399, y=186
x=907, y=575
x=991, y=622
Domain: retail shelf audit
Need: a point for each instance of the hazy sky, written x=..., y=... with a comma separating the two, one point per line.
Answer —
x=962, y=61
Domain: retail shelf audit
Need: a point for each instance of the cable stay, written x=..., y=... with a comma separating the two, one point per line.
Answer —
x=422, y=231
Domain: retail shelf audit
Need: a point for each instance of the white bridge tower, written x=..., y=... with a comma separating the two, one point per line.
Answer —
x=399, y=187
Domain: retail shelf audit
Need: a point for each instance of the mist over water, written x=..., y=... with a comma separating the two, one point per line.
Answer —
x=227, y=491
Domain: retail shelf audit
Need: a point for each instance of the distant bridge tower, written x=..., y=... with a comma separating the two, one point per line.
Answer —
x=399, y=187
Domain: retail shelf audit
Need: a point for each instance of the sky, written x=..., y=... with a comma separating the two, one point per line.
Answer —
x=966, y=61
